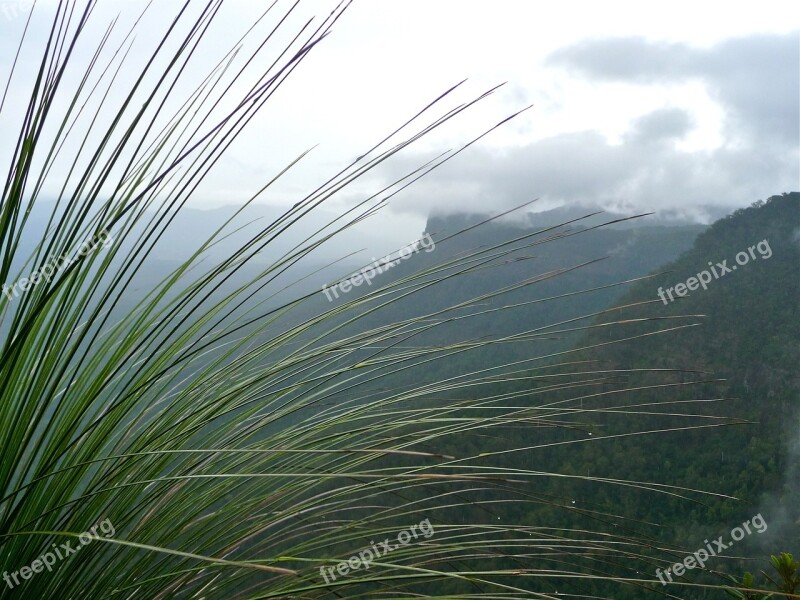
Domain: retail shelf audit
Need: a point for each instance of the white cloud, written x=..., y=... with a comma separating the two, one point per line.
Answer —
x=386, y=59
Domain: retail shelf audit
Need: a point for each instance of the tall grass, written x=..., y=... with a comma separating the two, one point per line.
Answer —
x=238, y=434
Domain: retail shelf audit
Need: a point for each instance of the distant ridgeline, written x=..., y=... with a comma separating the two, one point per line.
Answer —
x=749, y=336
x=623, y=252
x=743, y=328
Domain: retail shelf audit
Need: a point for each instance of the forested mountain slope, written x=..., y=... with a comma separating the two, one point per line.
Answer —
x=707, y=399
x=742, y=329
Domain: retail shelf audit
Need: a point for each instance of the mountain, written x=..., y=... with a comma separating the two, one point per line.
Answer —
x=717, y=381
x=553, y=271
x=699, y=394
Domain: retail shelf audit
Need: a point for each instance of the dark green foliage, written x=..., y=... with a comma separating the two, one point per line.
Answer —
x=747, y=345
x=787, y=570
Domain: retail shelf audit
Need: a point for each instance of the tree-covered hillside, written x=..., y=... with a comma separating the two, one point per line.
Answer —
x=742, y=335
x=706, y=401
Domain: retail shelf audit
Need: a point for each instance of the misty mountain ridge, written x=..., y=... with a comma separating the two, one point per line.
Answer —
x=550, y=217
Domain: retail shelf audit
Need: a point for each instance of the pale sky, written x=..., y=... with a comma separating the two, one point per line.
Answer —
x=636, y=105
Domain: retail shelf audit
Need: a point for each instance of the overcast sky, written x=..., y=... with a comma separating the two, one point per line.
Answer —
x=636, y=105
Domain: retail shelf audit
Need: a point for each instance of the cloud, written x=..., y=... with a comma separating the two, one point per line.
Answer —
x=754, y=80
x=584, y=168
x=625, y=59
x=661, y=125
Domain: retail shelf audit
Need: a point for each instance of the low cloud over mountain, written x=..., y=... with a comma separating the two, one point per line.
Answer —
x=753, y=80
